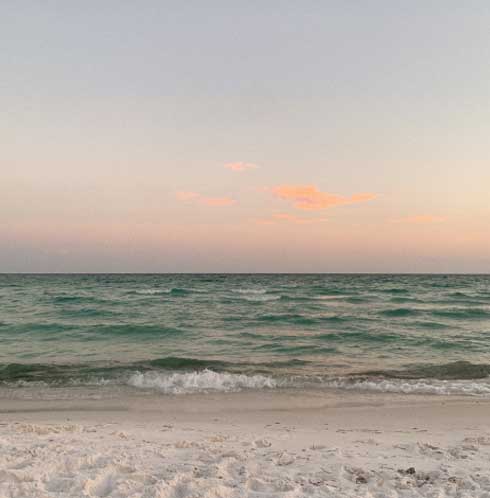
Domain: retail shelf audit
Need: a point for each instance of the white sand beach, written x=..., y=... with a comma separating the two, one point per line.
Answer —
x=249, y=444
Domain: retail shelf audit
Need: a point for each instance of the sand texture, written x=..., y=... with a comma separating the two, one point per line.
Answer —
x=245, y=446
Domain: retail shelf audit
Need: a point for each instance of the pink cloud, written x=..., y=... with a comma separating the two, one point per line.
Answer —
x=207, y=201
x=308, y=197
x=420, y=219
x=217, y=201
x=240, y=167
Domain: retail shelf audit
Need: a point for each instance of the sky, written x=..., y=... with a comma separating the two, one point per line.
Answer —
x=257, y=136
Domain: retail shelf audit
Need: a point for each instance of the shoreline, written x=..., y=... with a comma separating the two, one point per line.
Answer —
x=289, y=401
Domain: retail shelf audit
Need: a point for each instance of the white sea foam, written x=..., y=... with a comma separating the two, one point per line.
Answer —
x=261, y=298
x=325, y=297
x=256, y=295
x=203, y=381
x=17, y=384
x=478, y=387
x=152, y=292
x=210, y=381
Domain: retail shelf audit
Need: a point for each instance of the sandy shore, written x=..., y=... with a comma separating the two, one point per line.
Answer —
x=280, y=444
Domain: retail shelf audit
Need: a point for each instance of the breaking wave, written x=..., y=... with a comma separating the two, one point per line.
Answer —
x=419, y=386
x=249, y=291
x=174, y=375
x=151, y=292
x=203, y=381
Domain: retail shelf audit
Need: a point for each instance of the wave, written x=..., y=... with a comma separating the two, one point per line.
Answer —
x=296, y=298
x=174, y=291
x=203, y=381
x=359, y=337
x=174, y=375
x=463, y=296
x=313, y=299
x=151, y=292
x=139, y=331
x=430, y=325
x=88, y=312
x=327, y=291
x=45, y=330
x=463, y=313
x=453, y=370
x=299, y=319
x=180, y=291
x=251, y=296
x=208, y=381
x=405, y=299
x=261, y=299
x=184, y=363
x=400, y=312
x=330, y=297
x=249, y=291
x=58, y=374
x=422, y=386
x=75, y=299
x=287, y=318
x=93, y=332
x=395, y=290
x=358, y=300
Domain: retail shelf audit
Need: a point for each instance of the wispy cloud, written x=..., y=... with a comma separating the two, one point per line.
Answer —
x=207, y=201
x=240, y=166
x=217, y=201
x=420, y=219
x=308, y=197
x=289, y=218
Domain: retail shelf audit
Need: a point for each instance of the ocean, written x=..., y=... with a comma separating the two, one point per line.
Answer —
x=163, y=334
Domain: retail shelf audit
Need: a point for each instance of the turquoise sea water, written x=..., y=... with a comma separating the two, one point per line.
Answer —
x=172, y=334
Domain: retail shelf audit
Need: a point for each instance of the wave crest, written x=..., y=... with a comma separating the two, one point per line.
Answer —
x=151, y=292
x=249, y=291
x=421, y=386
x=202, y=381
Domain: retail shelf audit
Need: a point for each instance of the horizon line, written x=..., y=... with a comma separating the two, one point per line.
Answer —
x=244, y=273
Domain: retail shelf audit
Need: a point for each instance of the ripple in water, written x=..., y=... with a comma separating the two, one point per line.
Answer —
x=186, y=333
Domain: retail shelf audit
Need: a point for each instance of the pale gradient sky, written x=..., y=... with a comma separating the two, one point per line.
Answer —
x=315, y=136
